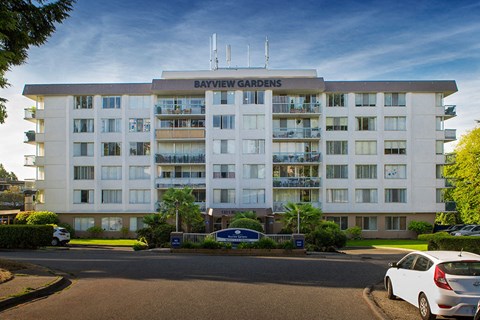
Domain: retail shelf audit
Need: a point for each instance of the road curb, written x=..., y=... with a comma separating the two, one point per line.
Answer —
x=367, y=296
x=55, y=286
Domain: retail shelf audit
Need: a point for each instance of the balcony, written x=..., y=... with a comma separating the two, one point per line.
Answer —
x=29, y=161
x=30, y=114
x=188, y=109
x=450, y=206
x=180, y=158
x=296, y=133
x=280, y=206
x=170, y=133
x=194, y=183
x=450, y=111
x=296, y=182
x=296, y=157
x=450, y=135
x=450, y=158
x=29, y=136
x=296, y=108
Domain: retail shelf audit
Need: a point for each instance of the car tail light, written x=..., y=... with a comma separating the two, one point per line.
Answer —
x=444, y=306
x=440, y=279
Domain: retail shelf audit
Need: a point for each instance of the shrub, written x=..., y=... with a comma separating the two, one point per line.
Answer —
x=42, y=217
x=354, y=233
x=287, y=245
x=124, y=231
x=189, y=245
x=210, y=243
x=420, y=227
x=326, y=237
x=158, y=236
x=265, y=243
x=247, y=223
x=432, y=239
x=95, y=231
x=25, y=236
x=138, y=245
x=246, y=245
x=458, y=243
x=21, y=218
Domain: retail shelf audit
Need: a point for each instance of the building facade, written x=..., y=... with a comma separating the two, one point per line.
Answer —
x=368, y=153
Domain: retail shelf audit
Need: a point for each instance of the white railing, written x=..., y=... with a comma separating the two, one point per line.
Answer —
x=199, y=237
x=194, y=237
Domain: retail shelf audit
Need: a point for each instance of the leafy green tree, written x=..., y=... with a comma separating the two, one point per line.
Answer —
x=465, y=172
x=310, y=217
x=13, y=199
x=245, y=214
x=42, y=217
x=24, y=23
x=183, y=202
x=4, y=174
x=247, y=223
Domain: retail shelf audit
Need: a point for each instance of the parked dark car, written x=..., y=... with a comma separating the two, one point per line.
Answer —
x=453, y=228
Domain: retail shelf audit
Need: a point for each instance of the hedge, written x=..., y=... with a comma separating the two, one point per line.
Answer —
x=444, y=241
x=25, y=236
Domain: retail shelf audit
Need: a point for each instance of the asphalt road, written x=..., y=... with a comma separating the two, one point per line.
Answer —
x=122, y=284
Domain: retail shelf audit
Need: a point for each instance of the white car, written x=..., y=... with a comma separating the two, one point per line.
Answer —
x=467, y=230
x=61, y=236
x=443, y=283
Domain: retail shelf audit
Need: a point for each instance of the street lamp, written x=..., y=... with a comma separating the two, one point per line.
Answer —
x=176, y=215
x=298, y=222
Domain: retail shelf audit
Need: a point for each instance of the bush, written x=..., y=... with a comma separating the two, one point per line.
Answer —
x=420, y=227
x=95, y=231
x=21, y=218
x=432, y=239
x=138, y=245
x=459, y=243
x=326, y=237
x=42, y=217
x=25, y=236
x=287, y=245
x=189, y=245
x=210, y=243
x=247, y=223
x=157, y=236
x=354, y=233
x=265, y=243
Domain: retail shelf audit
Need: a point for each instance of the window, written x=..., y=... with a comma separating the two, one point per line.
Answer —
x=395, y=100
x=111, y=149
x=336, y=100
x=111, y=125
x=83, y=102
x=395, y=123
x=395, y=147
x=365, y=123
x=223, y=195
x=82, y=224
x=254, y=146
x=112, y=223
x=82, y=125
x=365, y=99
x=253, y=196
x=335, y=171
x=366, y=171
x=439, y=169
x=111, y=196
x=138, y=125
x=136, y=224
x=139, y=102
x=366, y=223
x=224, y=171
x=223, y=97
x=439, y=147
x=83, y=173
x=253, y=122
x=395, y=171
x=224, y=122
x=83, y=149
x=341, y=221
x=395, y=195
x=139, y=172
x=336, y=123
x=111, y=102
x=337, y=147
x=139, y=148
x=111, y=173
x=337, y=195
x=83, y=196
x=253, y=97
x=141, y=196
x=395, y=223
x=254, y=171
x=223, y=146
x=365, y=147
x=439, y=123
x=366, y=195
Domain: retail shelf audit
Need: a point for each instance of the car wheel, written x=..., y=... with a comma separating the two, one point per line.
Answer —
x=390, y=294
x=424, y=308
x=55, y=242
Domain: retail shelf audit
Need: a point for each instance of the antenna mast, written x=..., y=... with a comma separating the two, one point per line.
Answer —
x=266, y=53
x=215, y=55
x=229, y=55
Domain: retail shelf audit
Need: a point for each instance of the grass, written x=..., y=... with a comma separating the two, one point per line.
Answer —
x=389, y=243
x=104, y=242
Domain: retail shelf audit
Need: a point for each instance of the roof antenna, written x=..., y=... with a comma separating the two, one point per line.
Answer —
x=266, y=53
x=460, y=254
x=214, y=48
x=229, y=55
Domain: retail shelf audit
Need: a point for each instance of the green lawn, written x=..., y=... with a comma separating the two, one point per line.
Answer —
x=104, y=242
x=402, y=244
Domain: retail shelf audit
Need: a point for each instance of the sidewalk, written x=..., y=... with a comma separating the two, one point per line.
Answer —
x=29, y=284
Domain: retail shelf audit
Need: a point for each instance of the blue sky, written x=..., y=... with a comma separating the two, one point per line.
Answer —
x=134, y=41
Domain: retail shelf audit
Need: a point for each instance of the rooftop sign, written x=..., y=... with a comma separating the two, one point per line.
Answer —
x=253, y=83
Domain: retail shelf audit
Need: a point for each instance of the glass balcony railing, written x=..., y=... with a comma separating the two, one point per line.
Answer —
x=287, y=108
x=296, y=157
x=450, y=134
x=29, y=114
x=30, y=136
x=450, y=206
x=194, y=183
x=450, y=111
x=179, y=158
x=296, y=182
x=180, y=107
x=180, y=133
x=29, y=161
x=280, y=206
x=296, y=133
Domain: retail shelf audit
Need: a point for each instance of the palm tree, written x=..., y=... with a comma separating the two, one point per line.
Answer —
x=180, y=203
x=301, y=217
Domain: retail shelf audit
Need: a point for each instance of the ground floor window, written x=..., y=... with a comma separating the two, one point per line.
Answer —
x=112, y=223
x=82, y=224
x=367, y=223
x=395, y=223
x=341, y=221
x=136, y=223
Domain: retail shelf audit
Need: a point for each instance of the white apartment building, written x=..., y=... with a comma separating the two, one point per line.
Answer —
x=368, y=153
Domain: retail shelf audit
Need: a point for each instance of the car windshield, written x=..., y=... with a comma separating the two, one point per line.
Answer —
x=461, y=268
x=62, y=230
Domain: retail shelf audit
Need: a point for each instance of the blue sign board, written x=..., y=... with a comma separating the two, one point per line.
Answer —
x=299, y=243
x=238, y=235
x=176, y=242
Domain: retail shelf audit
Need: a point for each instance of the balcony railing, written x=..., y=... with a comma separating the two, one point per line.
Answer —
x=450, y=134
x=202, y=205
x=450, y=206
x=296, y=133
x=288, y=108
x=450, y=158
x=280, y=206
x=29, y=114
x=194, y=183
x=178, y=133
x=179, y=158
x=29, y=161
x=30, y=136
x=296, y=182
x=450, y=110
x=183, y=110
x=296, y=157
